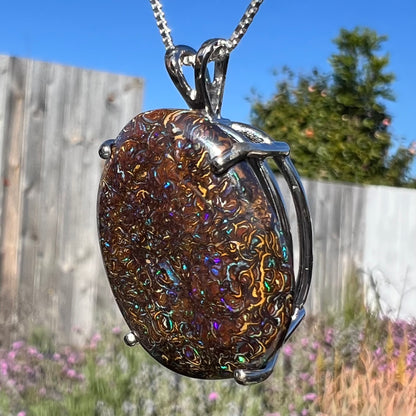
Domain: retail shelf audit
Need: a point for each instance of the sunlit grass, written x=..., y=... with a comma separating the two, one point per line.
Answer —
x=365, y=390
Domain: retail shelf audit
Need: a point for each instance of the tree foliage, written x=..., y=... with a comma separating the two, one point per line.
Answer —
x=337, y=124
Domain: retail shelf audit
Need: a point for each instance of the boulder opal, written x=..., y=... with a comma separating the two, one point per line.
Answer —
x=197, y=261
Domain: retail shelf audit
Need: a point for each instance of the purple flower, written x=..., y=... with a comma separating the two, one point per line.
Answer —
x=304, y=376
x=96, y=338
x=116, y=330
x=378, y=352
x=21, y=413
x=288, y=350
x=17, y=345
x=3, y=367
x=315, y=345
x=329, y=336
x=310, y=397
x=312, y=357
x=32, y=351
x=71, y=373
x=28, y=370
x=382, y=367
x=304, y=412
x=410, y=358
x=213, y=396
x=304, y=342
x=72, y=358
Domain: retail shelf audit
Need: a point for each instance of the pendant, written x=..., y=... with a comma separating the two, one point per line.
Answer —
x=194, y=234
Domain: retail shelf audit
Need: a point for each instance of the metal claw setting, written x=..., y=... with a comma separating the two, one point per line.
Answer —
x=105, y=149
x=246, y=377
x=131, y=339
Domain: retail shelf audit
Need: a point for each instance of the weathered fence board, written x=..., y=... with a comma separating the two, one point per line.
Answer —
x=53, y=119
x=390, y=256
x=369, y=231
x=13, y=141
x=337, y=215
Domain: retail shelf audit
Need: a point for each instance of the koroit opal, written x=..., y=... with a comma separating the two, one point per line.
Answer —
x=195, y=237
x=197, y=261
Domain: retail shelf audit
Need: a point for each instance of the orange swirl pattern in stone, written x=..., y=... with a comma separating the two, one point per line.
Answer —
x=197, y=262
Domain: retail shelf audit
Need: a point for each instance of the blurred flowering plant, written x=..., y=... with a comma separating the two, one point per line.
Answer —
x=323, y=367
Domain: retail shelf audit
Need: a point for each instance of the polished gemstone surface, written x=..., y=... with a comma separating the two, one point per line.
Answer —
x=197, y=261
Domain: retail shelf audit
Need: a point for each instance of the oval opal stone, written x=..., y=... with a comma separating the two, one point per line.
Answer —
x=197, y=261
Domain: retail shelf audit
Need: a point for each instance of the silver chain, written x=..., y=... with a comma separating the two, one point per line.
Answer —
x=234, y=39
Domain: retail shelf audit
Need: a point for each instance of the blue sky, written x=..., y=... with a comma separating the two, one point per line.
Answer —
x=121, y=37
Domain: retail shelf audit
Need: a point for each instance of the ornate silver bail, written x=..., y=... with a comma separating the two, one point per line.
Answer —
x=207, y=94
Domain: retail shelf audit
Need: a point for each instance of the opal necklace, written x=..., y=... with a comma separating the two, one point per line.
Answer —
x=193, y=230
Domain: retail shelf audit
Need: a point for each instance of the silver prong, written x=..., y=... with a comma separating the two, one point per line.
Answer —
x=105, y=149
x=256, y=376
x=241, y=151
x=297, y=318
x=131, y=339
x=246, y=377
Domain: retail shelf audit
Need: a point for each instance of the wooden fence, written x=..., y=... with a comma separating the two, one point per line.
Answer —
x=53, y=119
x=369, y=231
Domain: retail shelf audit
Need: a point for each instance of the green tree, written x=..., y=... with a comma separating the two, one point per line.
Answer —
x=337, y=124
